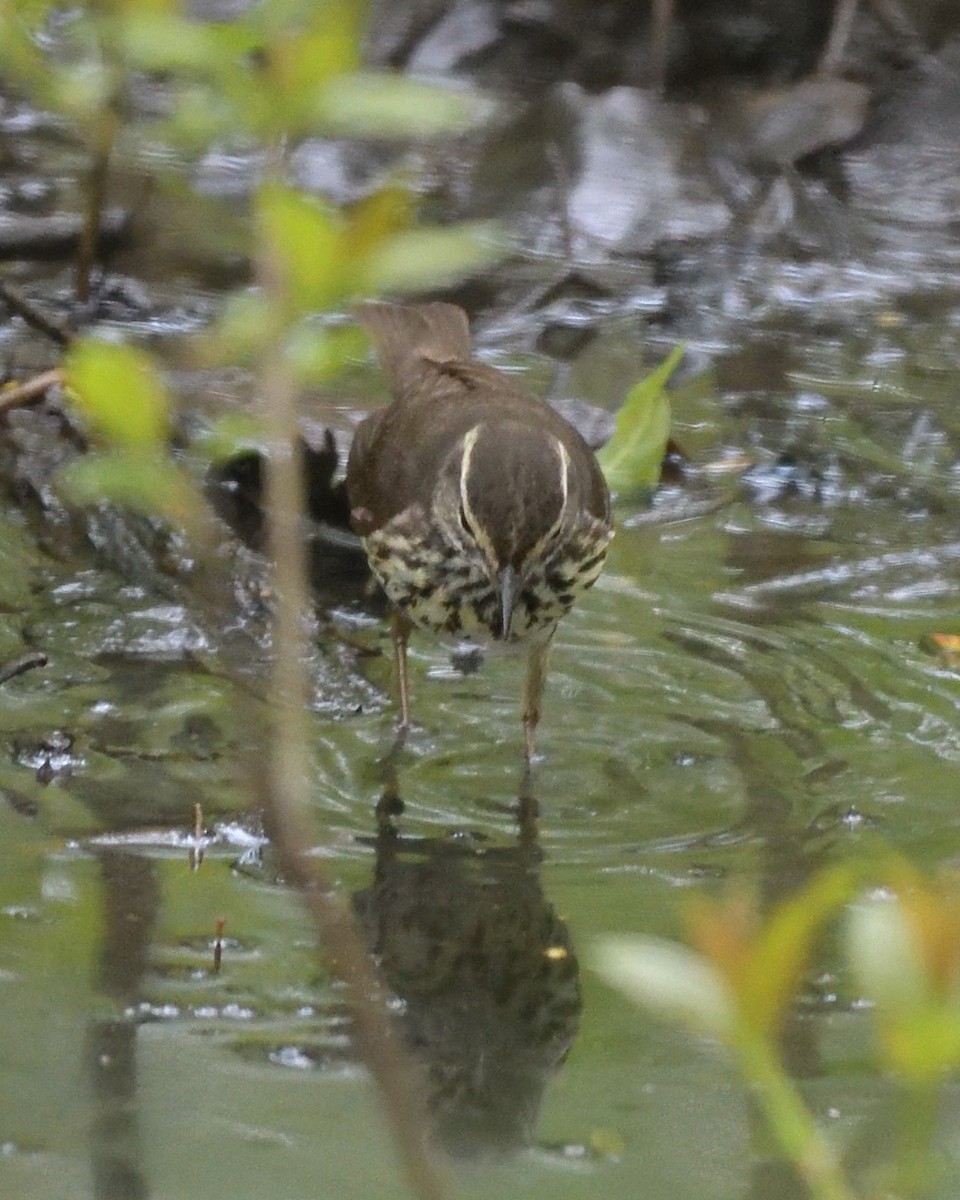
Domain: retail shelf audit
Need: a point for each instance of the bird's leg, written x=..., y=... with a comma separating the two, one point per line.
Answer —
x=533, y=691
x=390, y=804
x=400, y=633
x=528, y=810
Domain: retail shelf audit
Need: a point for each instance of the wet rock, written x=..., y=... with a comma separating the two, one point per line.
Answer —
x=787, y=476
x=34, y=197
x=630, y=190
x=51, y=756
x=56, y=237
x=595, y=425
x=341, y=171
x=906, y=164
x=521, y=43
x=466, y=29
x=569, y=313
x=339, y=572
x=394, y=28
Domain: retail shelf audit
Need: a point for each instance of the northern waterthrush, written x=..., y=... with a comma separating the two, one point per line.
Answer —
x=482, y=511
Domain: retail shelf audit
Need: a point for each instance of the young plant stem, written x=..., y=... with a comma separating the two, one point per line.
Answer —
x=789, y=1120
x=103, y=138
x=339, y=938
x=915, y=1165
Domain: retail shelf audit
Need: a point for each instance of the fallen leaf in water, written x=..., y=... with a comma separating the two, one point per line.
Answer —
x=946, y=646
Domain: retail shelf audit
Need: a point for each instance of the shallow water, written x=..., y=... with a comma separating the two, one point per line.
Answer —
x=744, y=695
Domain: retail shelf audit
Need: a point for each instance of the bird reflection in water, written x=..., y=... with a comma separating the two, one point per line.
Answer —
x=485, y=971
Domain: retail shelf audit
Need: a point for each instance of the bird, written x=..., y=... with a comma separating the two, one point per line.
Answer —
x=483, y=513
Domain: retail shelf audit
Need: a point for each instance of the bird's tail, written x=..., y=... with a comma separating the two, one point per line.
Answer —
x=406, y=334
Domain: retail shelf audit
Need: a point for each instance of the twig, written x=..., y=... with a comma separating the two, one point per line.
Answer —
x=561, y=178
x=19, y=666
x=218, y=944
x=33, y=389
x=196, y=850
x=96, y=199
x=33, y=315
x=840, y=31
x=661, y=23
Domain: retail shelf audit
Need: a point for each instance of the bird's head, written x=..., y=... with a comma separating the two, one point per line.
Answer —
x=507, y=499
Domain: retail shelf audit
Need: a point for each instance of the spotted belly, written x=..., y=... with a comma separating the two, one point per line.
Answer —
x=442, y=588
x=438, y=589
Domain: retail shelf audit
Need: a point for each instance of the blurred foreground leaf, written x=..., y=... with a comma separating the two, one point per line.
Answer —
x=373, y=104
x=419, y=259
x=118, y=390
x=904, y=949
x=304, y=236
x=319, y=355
x=672, y=980
x=230, y=435
x=633, y=457
x=141, y=482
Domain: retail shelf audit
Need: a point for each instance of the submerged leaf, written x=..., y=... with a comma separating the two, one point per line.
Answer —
x=632, y=458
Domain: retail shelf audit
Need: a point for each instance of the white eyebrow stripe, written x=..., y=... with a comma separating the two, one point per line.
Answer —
x=469, y=441
x=564, y=472
x=477, y=531
x=543, y=543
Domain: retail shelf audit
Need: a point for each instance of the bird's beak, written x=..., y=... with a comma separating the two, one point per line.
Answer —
x=507, y=591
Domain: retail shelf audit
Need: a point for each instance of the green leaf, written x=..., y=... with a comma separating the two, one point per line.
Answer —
x=159, y=41
x=426, y=258
x=672, y=980
x=304, y=240
x=633, y=457
x=244, y=327
x=785, y=943
x=119, y=390
x=373, y=104
x=83, y=90
x=230, y=435
x=141, y=482
x=318, y=355
x=379, y=216
x=299, y=60
x=885, y=956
